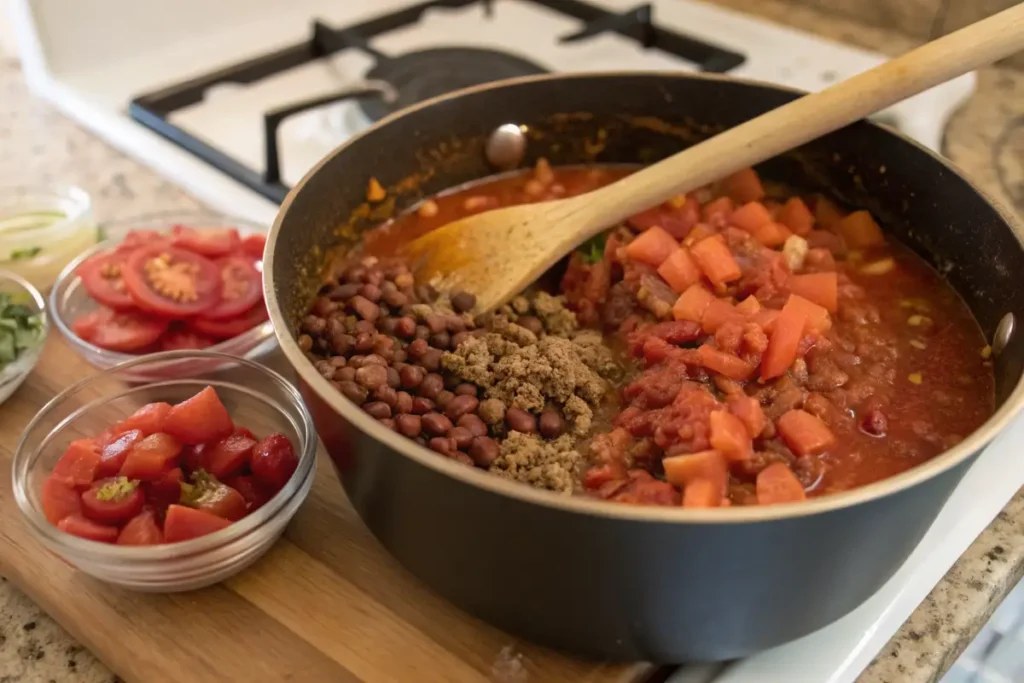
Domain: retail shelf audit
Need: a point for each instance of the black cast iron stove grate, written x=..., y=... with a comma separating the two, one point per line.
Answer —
x=397, y=81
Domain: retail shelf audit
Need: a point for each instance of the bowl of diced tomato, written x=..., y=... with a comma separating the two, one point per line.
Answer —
x=163, y=283
x=171, y=485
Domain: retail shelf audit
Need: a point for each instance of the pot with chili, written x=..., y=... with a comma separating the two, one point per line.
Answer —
x=748, y=346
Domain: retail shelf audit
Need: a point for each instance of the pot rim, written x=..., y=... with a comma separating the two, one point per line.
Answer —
x=472, y=476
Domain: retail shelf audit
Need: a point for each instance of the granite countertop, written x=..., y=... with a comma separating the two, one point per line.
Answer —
x=985, y=139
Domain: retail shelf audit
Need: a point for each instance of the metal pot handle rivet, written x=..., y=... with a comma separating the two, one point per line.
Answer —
x=506, y=146
x=1004, y=330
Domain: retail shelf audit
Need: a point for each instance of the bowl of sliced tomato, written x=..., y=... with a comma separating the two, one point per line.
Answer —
x=170, y=485
x=163, y=283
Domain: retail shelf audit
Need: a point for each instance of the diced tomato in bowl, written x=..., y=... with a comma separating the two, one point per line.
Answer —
x=158, y=488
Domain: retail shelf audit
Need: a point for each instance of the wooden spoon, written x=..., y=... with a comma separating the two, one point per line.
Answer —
x=496, y=254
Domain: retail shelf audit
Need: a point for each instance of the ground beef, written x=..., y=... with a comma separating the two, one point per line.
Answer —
x=529, y=459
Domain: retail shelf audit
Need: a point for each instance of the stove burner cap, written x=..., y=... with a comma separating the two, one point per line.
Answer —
x=418, y=76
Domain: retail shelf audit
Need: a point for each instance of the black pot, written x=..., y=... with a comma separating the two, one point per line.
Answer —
x=626, y=582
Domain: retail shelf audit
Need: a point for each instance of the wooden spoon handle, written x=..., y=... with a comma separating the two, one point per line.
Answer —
x=804, y=119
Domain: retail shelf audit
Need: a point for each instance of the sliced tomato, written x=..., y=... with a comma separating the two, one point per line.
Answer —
x=211, y=242
x=101, y=277
x=227, y=456
x=231, y=327
x=172, y=282
x=200, y=419
x=60, y=499
x=149, y=419
x=125, y=331
x=113, y=501
x=211, y=495
x=164, y=491
x=112, y=455
x=184, y=523
x=253, y=246
x=77, y=525
x=255, y=493
x=193, y=457
x=273, y=461
x=181, y=339
x=143, y=238
x=151, y=458
x=141, y=529
x=77, y=467
x=241, y=287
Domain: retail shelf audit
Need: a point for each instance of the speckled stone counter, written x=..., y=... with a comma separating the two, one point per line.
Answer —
x=985, y=139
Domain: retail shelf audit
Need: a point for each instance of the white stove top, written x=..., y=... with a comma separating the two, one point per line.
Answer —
x=90, y=60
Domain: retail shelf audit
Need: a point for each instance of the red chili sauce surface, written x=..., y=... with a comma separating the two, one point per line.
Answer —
x=776, y=347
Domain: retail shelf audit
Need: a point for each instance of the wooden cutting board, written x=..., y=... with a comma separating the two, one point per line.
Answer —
x=325, y=604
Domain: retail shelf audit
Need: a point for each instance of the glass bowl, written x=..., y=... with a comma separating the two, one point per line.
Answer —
x=255, y=396
x=14, y=373
x=68, y=298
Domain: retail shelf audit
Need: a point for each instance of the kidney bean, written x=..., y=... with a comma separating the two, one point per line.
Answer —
x=422, y=332
x=338, y=361
x=323, y=306
x=378, y=409
x=342, y=342
x=394, y=379
x=395, y=298
x=305, y=342
x=343, y=292
x=404, y=281
x=372, y=376
x=370, y=292
x=386, y=394
x=388, y=325
x=374, y=359
x=324, y=368
x=441, y=340
x=465, y=389
x=473, y=423
x=444, y=398
x=403, y=402
x=409, y=425
x=431, y=386
x=460, y=337
x=431, y=360
x=375, y=277
x=399, y=356
x=436, y=424
x=405, y=327
x=552, y=425
x=355, y=274
x=518, y=420
x=421, y=405
x=388, y=422
x=441, y=444
x=314, y=325
x=354, y=392
x=417, y=348
x=347, y=374
x=461, y=436
x=532, y=323
x=451, y=381
x=412, y=376
x=357, y=361
x=363, y=343
x=484, y=451
x=875, y=423
x=363, y=326
x=460, y=405
x=364, y=308
x=455, y=324
x=463, y=301
x=436, y=323
x=426, y=292
x=461, y=458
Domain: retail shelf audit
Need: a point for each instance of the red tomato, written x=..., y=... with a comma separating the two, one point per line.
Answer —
x=77, y=467
x=101, y=277
x=273, y=461
x=77, y=525
x=253, y=246
x=184, y=523
x=231, y=327
x=151, y=458
x=60, y=499
x=143, y=238
x=211, y=495
x=113, y=454
x=149, y=419
x=172, y=282
x=141, y=529
x=227, y=456
x=113, y=501
x=255, y=493
x=179, y=339
x=211, y=242
x=125, y=331
x=199, y=419
x=242, y=431
x=164, y=491
x=241, y=287
x=194, y=457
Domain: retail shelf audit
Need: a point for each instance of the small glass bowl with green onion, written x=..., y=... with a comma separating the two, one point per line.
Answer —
x=42, y=229
x=24, y=327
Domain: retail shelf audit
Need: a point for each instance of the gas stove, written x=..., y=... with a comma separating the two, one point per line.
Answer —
x=236, y=100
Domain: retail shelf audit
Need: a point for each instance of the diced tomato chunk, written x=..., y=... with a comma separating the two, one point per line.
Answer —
x=795, y=215
x=77, y=525
x=724, y=363
x=151, y=458
x=765, y=318
x=751, y=216
x=748, y=306
x=701, y=493
x=653, y=246
x=714, y=258
x=113, y=454
x=60, y=499
x=717, y=314
x=681, y=470
x=199, y=419
x=819, y=288
x=141, y=529
x=164, y=490
x=716, y=213
x=729, y=436
x=805, y=434
x=112, y=501
x=78, y=464
x=183, y=523
x=273, y=461
x=227, y=456
x=797, y=315
x=817, y=319
x=750, y=413
x=777, y=484
x=149, y=419
x=692, y=303
x=860, y=230
x=771, y=234
x=701, y=231
x=254, y=493
x=745, y=186
x=826, y=213
x=680, y=270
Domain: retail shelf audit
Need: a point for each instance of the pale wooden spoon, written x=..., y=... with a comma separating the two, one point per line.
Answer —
x=496, y=254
